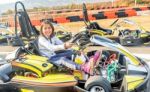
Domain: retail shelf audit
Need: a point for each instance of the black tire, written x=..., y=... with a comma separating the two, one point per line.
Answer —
x=9, y=88
x=99, y=83
x=124, y=33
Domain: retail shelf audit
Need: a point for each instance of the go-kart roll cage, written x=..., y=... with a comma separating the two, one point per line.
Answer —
x=92, y=25
x=26, y=26
x=27, y=29
x=85, y=15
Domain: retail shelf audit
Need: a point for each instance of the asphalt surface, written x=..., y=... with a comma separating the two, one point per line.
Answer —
x=2, y=59
x=4, y=51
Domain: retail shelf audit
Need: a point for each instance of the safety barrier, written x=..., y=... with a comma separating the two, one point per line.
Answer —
x=110, y=14
x=130, y=13
x=36, y=22
x=116, y=13
x=61, y=20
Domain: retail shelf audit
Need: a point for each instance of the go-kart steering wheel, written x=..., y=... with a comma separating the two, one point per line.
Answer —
x=81, y=38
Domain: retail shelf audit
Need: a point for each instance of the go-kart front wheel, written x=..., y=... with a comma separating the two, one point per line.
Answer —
x=97, y=84
x=97, y=89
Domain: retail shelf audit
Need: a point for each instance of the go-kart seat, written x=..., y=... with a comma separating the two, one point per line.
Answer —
x=35, y=50
x=94, y=25
x=34, y=46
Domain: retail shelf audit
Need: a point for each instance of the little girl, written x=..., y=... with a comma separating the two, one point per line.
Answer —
x=48, y=44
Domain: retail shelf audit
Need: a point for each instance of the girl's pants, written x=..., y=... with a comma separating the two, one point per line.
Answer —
x=64, y=58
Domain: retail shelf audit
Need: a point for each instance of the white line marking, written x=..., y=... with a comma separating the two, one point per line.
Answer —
x=4, y=53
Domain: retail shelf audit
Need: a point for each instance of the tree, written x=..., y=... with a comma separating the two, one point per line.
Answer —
x=9, y=11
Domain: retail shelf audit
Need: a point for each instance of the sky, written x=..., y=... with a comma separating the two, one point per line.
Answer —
x=8, y=1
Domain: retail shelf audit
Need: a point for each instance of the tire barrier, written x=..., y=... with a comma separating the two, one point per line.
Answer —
x=121, y=14
x=61, y=20
x=100, y=15
x=137, y=9
x=130, y=13
x=127, y=12
x=110, y=14
x=144, y=8
x=116, y=13
x=91, y=17
x=36, y=22
x=50, y=19
x=74, y=18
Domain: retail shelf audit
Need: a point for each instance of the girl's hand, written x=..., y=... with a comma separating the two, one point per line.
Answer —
x=68, y=45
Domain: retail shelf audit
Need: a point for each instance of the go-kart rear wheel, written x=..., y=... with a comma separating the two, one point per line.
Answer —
x=97, y=84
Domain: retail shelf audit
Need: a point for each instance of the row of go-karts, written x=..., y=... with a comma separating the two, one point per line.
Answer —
x=124, y=31
x=117, y=70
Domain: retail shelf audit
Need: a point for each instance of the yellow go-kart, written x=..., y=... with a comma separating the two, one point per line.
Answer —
x=94, y=28
x=124, y=29
x=131, y=33
x=6, y=35
x=117, y=70
x=26, y=70
x=62, y=33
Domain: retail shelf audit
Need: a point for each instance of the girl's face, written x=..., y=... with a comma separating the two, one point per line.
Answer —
x=47, y=30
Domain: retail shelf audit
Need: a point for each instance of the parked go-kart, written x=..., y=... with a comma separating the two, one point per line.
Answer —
x=62, y=33
x=94, y=28
x=131, y=33
x=126, y=37
x=94, y=25
x=124, y=71
x=117, y=69
x=5, y=35
x=26, y=70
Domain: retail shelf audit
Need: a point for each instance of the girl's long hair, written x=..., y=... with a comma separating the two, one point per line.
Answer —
x=49, y=23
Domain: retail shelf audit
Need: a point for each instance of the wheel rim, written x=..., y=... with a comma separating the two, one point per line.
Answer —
x=97, y=89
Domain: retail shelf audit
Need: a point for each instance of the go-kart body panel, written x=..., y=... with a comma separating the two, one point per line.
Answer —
x=57, y=82
x=36, y=57
x=35, y=66
x=54, y=79
x=64, y=36
x=62, y=33
x=99, y=32
x=94, y=31
x=137, y=77
x=115, y=46
x=131, y=33
x=130, y=82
